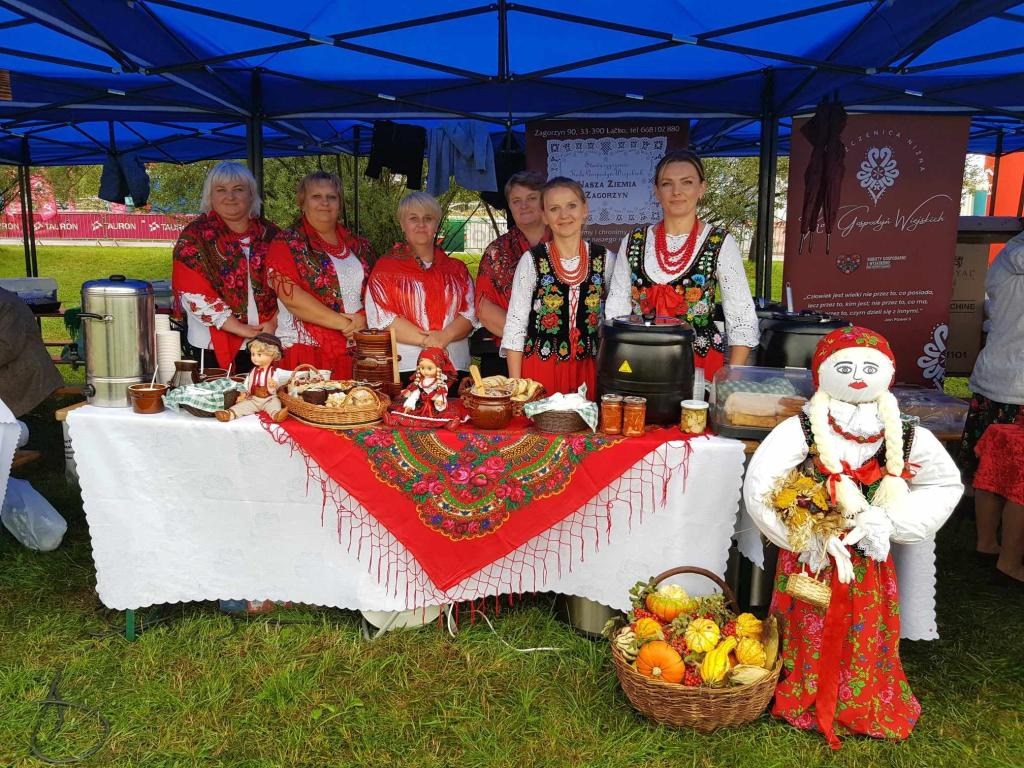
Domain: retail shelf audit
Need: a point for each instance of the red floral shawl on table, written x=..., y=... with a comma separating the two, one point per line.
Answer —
x=208, y=259
x=303, y=258
x=401, y=286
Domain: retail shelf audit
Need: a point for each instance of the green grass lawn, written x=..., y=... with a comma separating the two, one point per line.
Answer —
x=304, y=689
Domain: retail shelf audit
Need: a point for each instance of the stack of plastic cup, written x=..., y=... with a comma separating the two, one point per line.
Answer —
x=168, y=350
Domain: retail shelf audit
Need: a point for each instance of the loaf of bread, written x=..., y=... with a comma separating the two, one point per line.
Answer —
x=760, y=409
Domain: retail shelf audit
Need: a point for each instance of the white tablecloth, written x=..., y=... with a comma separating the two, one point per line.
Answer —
x=915, y=573
x=183, y=509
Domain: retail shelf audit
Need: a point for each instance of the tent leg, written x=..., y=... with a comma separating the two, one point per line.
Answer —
x=355, y=177
x=995, y=174
x=765, y=231
x=28, y=232
x=254, y=134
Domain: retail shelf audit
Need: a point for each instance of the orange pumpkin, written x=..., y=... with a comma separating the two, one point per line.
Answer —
x=648, y=629
x=658, y=659
x=665, y=607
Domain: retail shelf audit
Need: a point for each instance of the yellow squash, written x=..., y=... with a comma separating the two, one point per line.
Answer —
x=750, y=651
x=702, y=635
x=748, y=625
x=715, y=666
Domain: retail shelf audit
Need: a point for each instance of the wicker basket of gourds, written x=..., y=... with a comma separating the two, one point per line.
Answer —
x=658, y=680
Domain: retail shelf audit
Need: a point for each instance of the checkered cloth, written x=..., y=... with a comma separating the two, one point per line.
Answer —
x=208, y=396
x=777, y=385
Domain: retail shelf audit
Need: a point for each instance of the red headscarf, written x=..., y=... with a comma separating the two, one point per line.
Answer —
x=851, y=337
x=439, y=358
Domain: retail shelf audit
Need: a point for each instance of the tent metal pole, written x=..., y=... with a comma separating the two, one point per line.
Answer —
x=254, y=132
x=355, y=177
x=995, y=174
x=26, y=223
x=764, y=233
x=28, y=213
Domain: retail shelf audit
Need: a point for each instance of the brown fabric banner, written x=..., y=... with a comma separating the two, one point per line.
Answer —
x=613, y=160
x=890, y=264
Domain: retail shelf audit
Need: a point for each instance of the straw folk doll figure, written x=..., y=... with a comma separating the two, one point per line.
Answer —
x=260, y=393
x=882, y=481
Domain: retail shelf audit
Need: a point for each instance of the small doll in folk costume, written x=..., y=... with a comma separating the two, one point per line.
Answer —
x=882, y=481
x=260, y=393
x=427, y=393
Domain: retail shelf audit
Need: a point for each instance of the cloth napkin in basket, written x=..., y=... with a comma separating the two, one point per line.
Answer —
x=577, y=401
x=207, y=396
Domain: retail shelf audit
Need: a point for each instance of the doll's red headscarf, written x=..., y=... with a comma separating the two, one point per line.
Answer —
x=440, y=358
x=850, y=337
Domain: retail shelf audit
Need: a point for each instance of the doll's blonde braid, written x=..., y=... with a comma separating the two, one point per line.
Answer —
x=892, y=488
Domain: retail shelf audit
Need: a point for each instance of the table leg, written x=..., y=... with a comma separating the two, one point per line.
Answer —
x=129, y=625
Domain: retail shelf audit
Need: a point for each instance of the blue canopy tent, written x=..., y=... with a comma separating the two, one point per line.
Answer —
x=176, y=79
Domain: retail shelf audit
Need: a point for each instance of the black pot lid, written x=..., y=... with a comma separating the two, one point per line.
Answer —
x=650, y=323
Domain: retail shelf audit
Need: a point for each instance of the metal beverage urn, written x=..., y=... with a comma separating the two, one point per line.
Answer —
x=117, y=325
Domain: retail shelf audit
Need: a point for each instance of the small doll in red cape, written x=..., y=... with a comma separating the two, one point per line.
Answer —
x=427, y=393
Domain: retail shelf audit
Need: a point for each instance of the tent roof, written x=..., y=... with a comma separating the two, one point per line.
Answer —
x=181, y=80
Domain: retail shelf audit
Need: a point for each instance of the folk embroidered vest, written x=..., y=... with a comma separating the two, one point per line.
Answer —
x=549, y=328
x=696, y=286
x=811, y=470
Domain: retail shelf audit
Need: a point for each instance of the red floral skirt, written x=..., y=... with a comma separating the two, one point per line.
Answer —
x=841, y=667
x=340, y=365
x=1000, y=458
x=710, y=363
x=563, y=376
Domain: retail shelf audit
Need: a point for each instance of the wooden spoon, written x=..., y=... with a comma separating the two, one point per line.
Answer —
x=478, y=383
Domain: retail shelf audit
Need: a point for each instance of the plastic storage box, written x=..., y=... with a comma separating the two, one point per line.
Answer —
x=936, y=411
x=749, y=401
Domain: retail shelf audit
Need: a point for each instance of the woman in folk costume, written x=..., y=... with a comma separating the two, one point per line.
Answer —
x=422, y=293
x=499, y=261
x=558, y=293
x=219, y=273
x=891, y=482
x=673, y=268
x=318, y=269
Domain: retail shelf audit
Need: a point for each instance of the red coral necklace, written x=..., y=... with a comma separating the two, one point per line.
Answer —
x=670, y=261
x=862, y=439
x=575, y=277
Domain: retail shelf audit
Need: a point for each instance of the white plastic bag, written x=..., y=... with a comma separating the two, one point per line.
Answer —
x=30, y=518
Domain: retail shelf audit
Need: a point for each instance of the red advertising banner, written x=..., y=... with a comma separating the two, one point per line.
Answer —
x=890, y=265
x=84, y=225
x=613, y=160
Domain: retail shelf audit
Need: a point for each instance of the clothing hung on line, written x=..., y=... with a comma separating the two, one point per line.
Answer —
x=461, y=149
x=399, y=148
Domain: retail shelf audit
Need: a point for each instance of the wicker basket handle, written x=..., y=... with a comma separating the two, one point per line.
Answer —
x=302, y=367
x=726, y=589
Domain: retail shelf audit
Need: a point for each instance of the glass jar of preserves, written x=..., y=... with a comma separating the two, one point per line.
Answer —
x=634, y=413
x=611, y=414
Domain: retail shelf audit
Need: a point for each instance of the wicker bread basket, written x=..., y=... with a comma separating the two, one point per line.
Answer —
x=559, y=422
x=327, y=416
x=701, y=708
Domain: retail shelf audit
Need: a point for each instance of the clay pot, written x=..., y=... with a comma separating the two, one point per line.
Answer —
x=489, y=411
x=185, y=372
x=373, y=342
x=147, y=398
